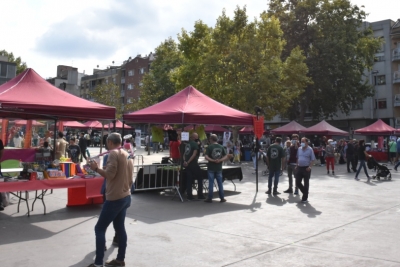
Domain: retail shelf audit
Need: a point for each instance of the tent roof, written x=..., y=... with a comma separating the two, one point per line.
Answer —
x=190, y=106
x=29, y=96
x=290, y=128
x=118, y=124
x=376, y=128
x=215, y=129
x=93, y=124
x=246, y=130
x=73, y=124
x=324, y=128
x=24, y=122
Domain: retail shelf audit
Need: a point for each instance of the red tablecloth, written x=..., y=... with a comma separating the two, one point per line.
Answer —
x=26, y=155
x=379, y=156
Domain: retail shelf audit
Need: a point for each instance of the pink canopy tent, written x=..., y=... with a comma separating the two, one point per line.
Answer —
x=190, y=106
x=93, y=124
x=73, y=124
x=29, y=96
x=377, y=128
x=290, y=128
x=214, y=129
x=323, y=128
x=118, y=125
x=246, y=130
x=24, y=122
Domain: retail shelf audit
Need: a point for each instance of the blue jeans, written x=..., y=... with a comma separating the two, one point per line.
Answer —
x=276, y=180
x=218, y=176
x=362, y=165
x=115, y=212
x=397, y=165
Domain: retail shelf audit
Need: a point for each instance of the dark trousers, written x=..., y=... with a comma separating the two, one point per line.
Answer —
x=301, y=174
x=83, y=154
x=355, y=163
x=350, y=160
x=322, y=157
x=291, y=172
x=193, y=173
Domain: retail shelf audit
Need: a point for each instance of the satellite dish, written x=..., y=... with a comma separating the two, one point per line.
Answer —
x=128, y=136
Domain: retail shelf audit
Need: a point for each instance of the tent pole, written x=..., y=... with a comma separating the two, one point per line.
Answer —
x=102, y=135
x=55, y=137
x=148, y=143
x=256, y=164
x=115, y=125
x=123, y=127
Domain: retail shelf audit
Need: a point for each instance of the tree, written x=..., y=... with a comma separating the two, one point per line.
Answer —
x=21, y=66
x=157, y=84
x=110, y=95
x=338, y=50
x=238, y=63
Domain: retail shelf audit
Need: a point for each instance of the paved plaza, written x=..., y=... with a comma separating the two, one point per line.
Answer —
x=346, y=223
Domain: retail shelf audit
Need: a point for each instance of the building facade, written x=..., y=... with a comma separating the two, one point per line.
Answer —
x=8, y=70
x=385, y=79
x=106, y=76
x=68, y=79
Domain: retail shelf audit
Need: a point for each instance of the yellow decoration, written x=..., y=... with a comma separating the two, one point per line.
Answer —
x=157, y=134
x=200, y=131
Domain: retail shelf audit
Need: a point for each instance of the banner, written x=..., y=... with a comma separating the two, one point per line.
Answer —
x=258, y=126
x=60, y=126
x=157, y=134
x=28, y=134
x=4, y=127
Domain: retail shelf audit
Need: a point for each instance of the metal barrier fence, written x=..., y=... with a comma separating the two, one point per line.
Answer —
x=156, y=177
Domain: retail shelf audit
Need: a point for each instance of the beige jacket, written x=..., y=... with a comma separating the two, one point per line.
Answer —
x=119, y=175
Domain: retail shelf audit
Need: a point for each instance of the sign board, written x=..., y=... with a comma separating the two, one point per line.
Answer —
x=185, y=136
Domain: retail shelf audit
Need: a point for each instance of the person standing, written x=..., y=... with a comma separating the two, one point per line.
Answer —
x=191, y=157
x=350, y=155
x=392, y=151
x=292, y=163
x=355, y=157
x=119, y=179
x=17, y=140
x=305, y=159
x=74, y=150
x=275, y=161
x=215, y=154
x=322, y=151
x=255, y=153
x=61, y=146
x=330, y=156
x=1, y=156
x=362, y=156
x=83, y=146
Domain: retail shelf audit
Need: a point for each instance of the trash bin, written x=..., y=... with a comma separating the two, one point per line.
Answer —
x=247, y=154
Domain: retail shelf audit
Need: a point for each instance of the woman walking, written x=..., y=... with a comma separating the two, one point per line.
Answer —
x=330, y=156
x=362, y=156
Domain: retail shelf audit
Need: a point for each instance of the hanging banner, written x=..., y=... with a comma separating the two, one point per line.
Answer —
x=28, y=134
x=258, y=126
x=60, y=126
x=4, y=127
x=380, y=143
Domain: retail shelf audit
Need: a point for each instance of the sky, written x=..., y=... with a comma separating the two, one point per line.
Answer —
x=87, y=33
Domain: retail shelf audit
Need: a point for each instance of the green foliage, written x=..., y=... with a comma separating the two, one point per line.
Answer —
x=338, y=51
x=110, y=95
x=21, y=66
x=157, y=84
x=237, y=63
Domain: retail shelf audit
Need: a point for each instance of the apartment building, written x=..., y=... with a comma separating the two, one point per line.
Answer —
x=132, y=73
x=8, y=70
x=68, y=79
x=384, y=77
x=99, y=76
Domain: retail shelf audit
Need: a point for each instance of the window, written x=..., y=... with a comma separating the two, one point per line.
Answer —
x=130, y=86
x=140, y=84
x=141, y=70
x=114, y=80
x=380, y=80
x=379, y=58
x=382, y=45
x=129, y=100
x=106, y=81
x=357, y=106
x=131, y=73
x=3, y=70
x=381, y=103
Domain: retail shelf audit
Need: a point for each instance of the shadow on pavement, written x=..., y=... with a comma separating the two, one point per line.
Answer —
x=89, y=258
x=275, y=200
x=308, y=209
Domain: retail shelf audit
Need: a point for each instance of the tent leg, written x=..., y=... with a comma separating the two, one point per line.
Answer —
x=256, y=165
x=123, y=128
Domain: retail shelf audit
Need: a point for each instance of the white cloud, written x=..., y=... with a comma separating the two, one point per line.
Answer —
x=47, y=33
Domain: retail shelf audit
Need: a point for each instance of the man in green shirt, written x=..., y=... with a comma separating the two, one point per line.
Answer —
x=215, y=154
x=275, y=158
x=190, y=162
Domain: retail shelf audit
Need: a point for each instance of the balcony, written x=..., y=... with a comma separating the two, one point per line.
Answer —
x=396, y=101
x=396, y=54
x=396, y=77
x=122, y=80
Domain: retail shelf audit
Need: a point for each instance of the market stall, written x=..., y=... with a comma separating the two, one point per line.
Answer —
x=291, y=128
x=324, y=128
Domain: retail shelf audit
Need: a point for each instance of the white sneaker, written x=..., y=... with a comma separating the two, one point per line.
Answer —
x=356, y=178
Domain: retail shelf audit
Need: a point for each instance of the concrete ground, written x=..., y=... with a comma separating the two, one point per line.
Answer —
x=346, y=223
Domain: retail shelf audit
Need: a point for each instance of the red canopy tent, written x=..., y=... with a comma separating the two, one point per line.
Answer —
x=290, y=128
x=73, y=124
x=93, y=124
x=214, y=129
x=118, y=125
x=29, y=96
x=190, y=106
x=246, y=130
x=24, y=122
x=323, y=128
x=377, y=128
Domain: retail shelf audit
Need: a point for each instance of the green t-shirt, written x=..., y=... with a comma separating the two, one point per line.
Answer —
x=392, y=146
x=190, y=147
x=275, y=154
x=215, y=151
